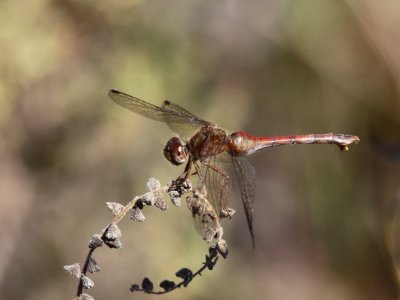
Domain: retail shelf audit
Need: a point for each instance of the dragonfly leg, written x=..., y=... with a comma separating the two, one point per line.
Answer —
x=186, y=173
x=201, y=184
x=214, y=168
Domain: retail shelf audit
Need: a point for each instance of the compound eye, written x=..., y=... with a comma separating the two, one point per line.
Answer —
x=175, y=151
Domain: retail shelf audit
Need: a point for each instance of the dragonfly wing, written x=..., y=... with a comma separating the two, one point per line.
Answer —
x=246, y=176
x=167, y=104
x=218, y=180
x=140, y=107
x=178, y=119
x=213, y=177
x=194, y=122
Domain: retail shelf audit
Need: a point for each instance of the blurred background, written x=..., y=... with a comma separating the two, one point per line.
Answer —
x=326, y=222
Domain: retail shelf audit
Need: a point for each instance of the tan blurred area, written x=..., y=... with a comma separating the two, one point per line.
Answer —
x=326, y=222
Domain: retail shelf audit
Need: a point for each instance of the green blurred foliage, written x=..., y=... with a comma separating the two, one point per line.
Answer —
x=326, y=222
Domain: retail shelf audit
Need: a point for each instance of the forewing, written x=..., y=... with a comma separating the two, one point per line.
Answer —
x=177, y=118
x=167, y=104
x=194, y=122
x=246, y=177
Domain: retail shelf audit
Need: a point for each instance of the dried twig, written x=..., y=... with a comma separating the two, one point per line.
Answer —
x=200, y=208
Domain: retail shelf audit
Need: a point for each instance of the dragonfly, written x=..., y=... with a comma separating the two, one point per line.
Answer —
x=215, y=154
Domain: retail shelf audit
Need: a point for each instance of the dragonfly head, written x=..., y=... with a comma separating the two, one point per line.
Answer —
x=175, y=151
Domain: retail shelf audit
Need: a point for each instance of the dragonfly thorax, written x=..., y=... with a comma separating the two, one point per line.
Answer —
x=207, y=142
x=175, y=151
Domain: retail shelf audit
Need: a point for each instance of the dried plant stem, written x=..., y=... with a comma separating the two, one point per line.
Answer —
x=200, y=208
x=131, y=204
x=84, y=271
x=118, y=216
x=209, y=265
